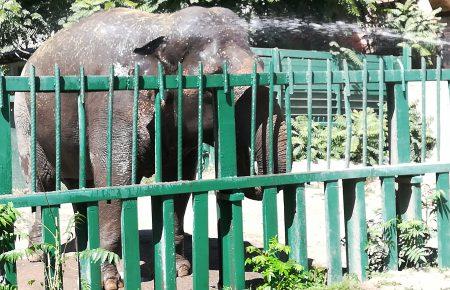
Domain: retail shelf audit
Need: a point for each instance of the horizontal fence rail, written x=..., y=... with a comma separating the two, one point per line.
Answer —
x=391, y=81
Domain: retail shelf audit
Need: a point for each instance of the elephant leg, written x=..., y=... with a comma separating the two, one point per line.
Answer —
x=45, y=181
x=262, y=138
x=110, y=211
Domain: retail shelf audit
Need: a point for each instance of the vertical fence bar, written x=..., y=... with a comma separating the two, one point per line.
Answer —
x=415, y=204
x=443, y=220
x=294, y=196
x=32, y=83
x=438, y=106
x=180, y=122
x=200, y=241
x=270, y=122
x=423, y=77
x=109, y=128
x=295, y=223
x=309, y=108
x=129, y=213
x=270, y=223
x=364, y=125
x=277, y=68
x=380, y=110
x=87, y=233
x=8, y=270
x=51, y=236
x=253, y=118
x=329, y=112
x=333, y=237
x=348, y=115
x=230, y=232
x=389, y=216
x=355, y=226
x=162, y=209
x=57, y=128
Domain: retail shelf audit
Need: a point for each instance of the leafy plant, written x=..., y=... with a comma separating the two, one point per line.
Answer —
x=8, y=215
x=419, y=29
x=413, y=236
x=53, y=253
x=338, y=137
x=278, y=274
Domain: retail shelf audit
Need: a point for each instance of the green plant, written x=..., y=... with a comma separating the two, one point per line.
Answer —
x=412, y=250
x=419, y=29
x=278, y=274
x=53, y=253
x=8, y=215
x=338, y=137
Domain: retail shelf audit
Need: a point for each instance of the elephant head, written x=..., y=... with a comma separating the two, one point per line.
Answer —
x=216, y=36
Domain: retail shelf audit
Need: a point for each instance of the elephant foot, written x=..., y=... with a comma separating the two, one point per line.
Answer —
x=111, y=277
x=183, y=266
x=113, y=284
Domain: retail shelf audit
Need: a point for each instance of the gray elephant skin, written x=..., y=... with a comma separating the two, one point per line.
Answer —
x=125, y=37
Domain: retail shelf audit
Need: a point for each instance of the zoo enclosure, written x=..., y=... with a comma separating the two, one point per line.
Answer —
x=391, y=79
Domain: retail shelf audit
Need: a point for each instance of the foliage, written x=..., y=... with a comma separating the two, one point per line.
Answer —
x=53, y=253
x=413, y=236
x=278, y=274
x=338, y=137
x=418, y=29
x=8, y=215
x=415, y=129
x=341, y=53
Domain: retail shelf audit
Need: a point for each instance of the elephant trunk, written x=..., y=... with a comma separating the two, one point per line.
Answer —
x=262, y=138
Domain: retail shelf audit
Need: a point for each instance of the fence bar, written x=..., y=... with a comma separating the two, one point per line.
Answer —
x=287, y=108
x=380, y=110
x=109, y=128
x=8, y=270
x=438, y=106
x=333, y=231
x=231, y=242
x=309, y=105
x=443, y=220
x=270, y=215
x=270, y=224
x=355, y=226
x=87, y=232
x=271, y=104
x=130, y=244
x=390, y=216
x=162, y=209
x=329, y=112
x=253, y=118
x=295, y=223
x=348, y=115
x=415, y=204
x=134, y=148
x=180, y=122
x=51, y=235
x=200, y=122
x=32, y=83
x=57, y=128
x=129, y=213
x=93, y=242
x=423, y=76
x=364, y=126
x=200, y=241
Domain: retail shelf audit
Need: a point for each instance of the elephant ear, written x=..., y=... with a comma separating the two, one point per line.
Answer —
x=150, y=47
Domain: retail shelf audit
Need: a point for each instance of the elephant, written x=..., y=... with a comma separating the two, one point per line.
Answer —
x=124, y=37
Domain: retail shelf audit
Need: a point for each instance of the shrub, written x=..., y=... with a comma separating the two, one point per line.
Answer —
x=278, y=274
x=320, y=134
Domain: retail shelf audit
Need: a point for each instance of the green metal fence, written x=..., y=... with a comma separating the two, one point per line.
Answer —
x=391, y=80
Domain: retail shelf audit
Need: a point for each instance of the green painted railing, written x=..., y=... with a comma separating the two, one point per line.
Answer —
x=391, y=79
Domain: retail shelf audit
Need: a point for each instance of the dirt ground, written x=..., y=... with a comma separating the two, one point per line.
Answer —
x=253, y=230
